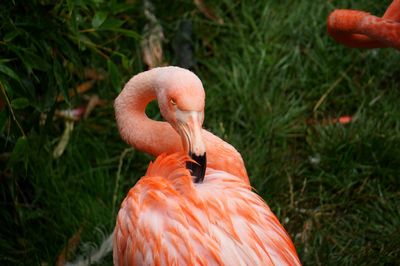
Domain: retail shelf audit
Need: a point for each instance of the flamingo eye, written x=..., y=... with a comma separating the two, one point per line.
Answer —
x=172, y=101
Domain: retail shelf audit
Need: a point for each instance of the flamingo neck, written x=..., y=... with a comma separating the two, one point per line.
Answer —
x=138, y=130
x=156, y=137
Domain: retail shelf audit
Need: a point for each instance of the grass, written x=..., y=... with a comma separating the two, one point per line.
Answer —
x=272, y=76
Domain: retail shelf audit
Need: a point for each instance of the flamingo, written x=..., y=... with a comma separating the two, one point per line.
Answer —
x=359, y=29
x=194, y=206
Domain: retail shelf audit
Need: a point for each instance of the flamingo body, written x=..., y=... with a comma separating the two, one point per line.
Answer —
x=166, y=219
x=169, y=218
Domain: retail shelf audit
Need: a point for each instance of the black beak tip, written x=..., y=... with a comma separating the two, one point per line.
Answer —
x=197, y=168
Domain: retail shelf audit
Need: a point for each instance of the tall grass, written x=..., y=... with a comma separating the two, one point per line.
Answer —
x=272, y=77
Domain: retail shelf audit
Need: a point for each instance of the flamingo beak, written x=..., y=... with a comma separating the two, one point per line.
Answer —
x=198, y=167
x=189, y=128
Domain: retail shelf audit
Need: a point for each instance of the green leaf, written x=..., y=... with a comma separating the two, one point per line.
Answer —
x=115, y=77
x=125, y=62
x=111, y=24
x=9, y=72
x=6, y=86
x=99, y=19
x=70, y=5
x=122, y=7
x=69, y=52
x=73, y=25
x=19, y=152
x=60, y=77
x=31, y=59
x=6, y=60
x=129, y=33
x=10, y=36
x=20, y=103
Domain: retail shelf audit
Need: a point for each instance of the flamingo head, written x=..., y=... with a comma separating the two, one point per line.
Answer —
x=181, y=99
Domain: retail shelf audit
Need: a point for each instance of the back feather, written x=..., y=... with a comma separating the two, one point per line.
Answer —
x=166, y=219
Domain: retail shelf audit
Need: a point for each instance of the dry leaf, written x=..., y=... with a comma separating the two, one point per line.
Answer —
x=207, y=12
x=71, y=114
x=69, y=248
x=81, y=88
x=91, y=73
x=62, y=144
x=329, y=121
x=78, y=113
x=93, y=101
x=153, y=37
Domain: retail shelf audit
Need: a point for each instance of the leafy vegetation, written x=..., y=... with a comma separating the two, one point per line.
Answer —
x=275, y=84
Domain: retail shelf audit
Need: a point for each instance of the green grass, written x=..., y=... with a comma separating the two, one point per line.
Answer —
x=268, y=70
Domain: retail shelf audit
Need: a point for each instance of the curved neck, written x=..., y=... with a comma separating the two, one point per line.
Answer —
x=156, y=137
x=135, y=127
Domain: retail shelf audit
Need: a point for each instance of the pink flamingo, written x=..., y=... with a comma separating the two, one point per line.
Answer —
x=189, y=209
x=358, y=29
